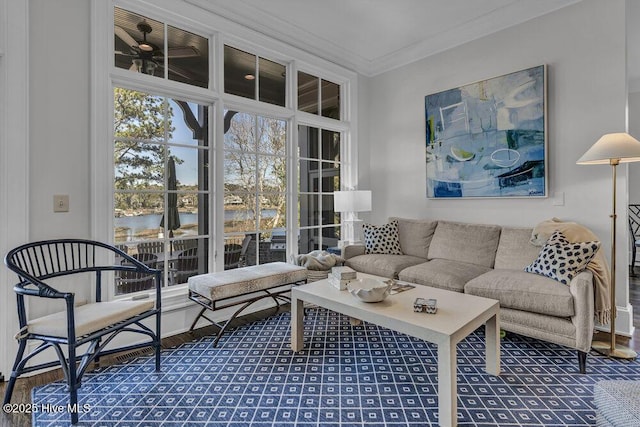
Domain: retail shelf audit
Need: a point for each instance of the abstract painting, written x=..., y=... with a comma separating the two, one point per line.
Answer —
x=489, y=138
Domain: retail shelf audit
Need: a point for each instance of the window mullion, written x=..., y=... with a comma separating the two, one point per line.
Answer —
x=320, y=186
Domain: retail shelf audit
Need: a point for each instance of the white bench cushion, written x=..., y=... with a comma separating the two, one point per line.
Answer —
x=89, y=317
x=240, y=281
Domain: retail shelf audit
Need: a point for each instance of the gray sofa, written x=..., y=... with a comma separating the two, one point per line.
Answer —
x=488, y=261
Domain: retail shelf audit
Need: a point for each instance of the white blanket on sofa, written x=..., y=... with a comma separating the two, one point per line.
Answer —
x=318, y=260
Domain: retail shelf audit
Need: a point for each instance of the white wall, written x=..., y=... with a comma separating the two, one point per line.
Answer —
x=14, y=146
x=584, y=48
x=59, y=116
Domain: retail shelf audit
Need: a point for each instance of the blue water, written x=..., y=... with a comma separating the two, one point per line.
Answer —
x=139, y=223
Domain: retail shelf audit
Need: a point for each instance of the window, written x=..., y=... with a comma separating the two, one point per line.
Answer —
x=255, y=181
x=141, y=46
x=318, y=96
x=161, y=211
x=164, y=88
x=319, y=177
x=246, y=74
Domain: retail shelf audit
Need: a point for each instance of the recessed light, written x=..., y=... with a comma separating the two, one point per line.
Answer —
x=249, y=77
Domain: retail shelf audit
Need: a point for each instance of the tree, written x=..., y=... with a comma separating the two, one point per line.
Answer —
x=255, y=162
x=140, y=122
x=274, y=176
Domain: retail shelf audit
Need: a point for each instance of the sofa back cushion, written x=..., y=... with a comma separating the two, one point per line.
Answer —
x=415, y=235
x=515, y=251
x=471, y=243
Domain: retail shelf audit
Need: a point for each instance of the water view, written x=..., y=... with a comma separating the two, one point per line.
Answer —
x=143, y=226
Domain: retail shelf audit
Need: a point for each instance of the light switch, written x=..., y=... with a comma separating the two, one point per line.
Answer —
x=558, y=199
x=61, y=203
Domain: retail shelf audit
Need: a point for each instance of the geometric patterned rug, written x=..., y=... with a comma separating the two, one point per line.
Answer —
x=346, y=376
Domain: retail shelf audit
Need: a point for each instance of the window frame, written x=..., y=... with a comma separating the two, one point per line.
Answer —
x=321, y=192
x=168, y=144
x=105, y=77
x=257, y=76
x=258, y=155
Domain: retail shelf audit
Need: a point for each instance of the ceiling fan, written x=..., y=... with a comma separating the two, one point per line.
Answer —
x=146, y=57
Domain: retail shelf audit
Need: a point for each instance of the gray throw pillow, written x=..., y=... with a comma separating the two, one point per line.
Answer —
x=382, y=239
x=561, y=260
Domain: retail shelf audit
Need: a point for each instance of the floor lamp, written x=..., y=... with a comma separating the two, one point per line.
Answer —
x=613, y=149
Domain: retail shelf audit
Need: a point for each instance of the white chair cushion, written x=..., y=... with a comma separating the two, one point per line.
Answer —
x=89, y=317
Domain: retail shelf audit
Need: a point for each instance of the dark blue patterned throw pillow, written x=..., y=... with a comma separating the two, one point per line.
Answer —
x=382, y=239
x=561, y=260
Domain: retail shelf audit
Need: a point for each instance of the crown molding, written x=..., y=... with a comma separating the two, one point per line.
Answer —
x=284, y=31
x=514, y=14
x=297, y=36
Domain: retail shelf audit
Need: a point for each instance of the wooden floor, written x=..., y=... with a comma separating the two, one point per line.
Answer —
x=22, y=391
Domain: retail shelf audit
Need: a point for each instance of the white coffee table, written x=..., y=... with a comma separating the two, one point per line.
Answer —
x=458, y=315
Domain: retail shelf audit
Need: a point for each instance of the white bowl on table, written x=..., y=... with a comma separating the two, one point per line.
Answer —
x=369, y=289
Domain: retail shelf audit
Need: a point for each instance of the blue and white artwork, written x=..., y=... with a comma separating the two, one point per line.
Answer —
x=488, y=139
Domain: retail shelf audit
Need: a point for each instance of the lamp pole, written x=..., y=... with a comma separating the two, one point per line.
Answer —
x=613, y=149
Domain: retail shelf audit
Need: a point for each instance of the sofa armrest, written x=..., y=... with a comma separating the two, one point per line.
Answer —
x=349, y=251
x=581, y=288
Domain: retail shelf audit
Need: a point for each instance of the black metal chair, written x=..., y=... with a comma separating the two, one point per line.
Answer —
x=94, y=324
x=634, y=234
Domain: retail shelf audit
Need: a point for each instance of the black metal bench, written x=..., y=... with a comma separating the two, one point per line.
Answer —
x=242, y=286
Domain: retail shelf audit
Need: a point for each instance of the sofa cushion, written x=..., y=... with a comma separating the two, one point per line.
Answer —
x=383, y=265
x=561, y=260
x=520, y=290
x=515, y=250
x=469, y=243
x=443, y=274
x=382, y=239
x=415, y=235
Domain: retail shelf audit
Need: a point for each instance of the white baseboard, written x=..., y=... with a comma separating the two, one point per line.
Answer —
x=624, y=322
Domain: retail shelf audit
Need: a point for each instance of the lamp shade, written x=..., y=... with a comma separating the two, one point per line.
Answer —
x=612, y=146
x=352, y=201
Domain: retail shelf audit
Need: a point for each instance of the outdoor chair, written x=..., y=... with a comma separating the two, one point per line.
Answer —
x=92, y=325
x=181, y=245
x=634, y=234
x=150, y=247
x=243, y=253
x=133, y=281
x=123, y=248
x=186, y=265
x=235, y=254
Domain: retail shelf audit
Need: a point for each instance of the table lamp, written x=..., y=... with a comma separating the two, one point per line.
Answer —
x=351, y=202
x=613, y=149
